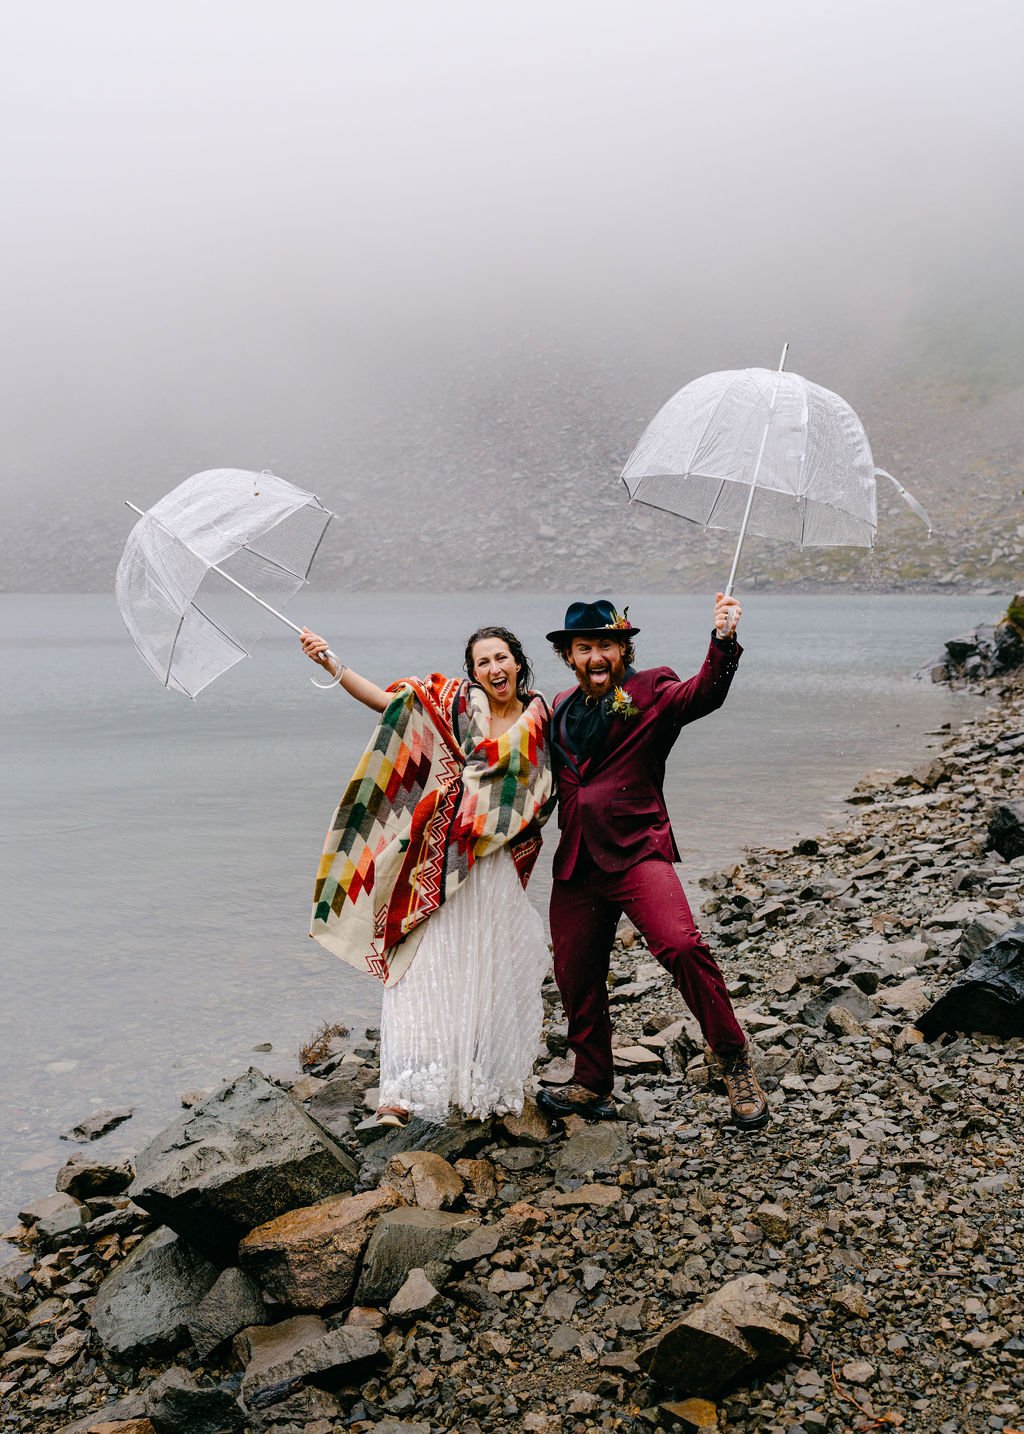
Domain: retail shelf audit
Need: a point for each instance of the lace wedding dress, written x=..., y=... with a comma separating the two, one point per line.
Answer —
x=461, y=1027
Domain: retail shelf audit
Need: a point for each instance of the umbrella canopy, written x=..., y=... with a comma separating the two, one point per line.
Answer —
x=801, y=446
x=178, y=579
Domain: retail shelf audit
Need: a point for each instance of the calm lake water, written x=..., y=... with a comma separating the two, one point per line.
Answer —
x=158, y=854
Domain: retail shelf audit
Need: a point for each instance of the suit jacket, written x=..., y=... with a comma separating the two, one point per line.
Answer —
x=615, y=800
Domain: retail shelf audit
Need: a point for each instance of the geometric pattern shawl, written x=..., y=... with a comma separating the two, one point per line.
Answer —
x=432, y=793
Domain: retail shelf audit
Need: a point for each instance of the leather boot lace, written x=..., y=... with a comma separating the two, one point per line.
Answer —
x=739, y=1073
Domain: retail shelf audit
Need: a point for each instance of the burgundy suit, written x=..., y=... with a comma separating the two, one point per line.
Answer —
x=615, y=856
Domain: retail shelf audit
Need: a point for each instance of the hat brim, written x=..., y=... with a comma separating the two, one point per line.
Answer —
x=562, y=633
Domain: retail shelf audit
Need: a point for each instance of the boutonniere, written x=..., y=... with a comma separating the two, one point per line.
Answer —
x=622, y=704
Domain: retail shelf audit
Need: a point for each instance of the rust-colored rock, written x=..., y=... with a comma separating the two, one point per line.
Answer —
x=422, y=1178
x=479, y=1177
x=309, y=1257
x=747, y=1327
x=529, y=1128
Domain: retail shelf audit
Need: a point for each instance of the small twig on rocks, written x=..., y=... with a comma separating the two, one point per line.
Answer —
x=875, y=1421
x=319, y=1045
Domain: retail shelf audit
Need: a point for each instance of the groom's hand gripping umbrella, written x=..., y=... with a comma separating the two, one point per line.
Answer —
x=772, y=453
x=220, y=533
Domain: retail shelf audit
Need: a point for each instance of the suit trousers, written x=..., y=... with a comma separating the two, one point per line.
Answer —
x=585, y=912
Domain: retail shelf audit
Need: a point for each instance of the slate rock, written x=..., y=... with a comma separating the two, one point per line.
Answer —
x=83, y=1177
x=693, y=1416
x=478, y=1175
x=1006, y=830
x=599, y=1149
x=529, y=1127
x=592, y=1194
x=775, y=1223
x=145, y=1305
x=415, y=1297
x=177, y=1403
x=61, y=1226
x=232, y=1304
x=986, y=651
x=405, y=1240
x=308, y=1258
x=988, y=997
x=49, y=1205
x=67, y=1348
x=837, y=993
x=126, y=1415
x=452, y=1141
x=99, y=1123
x=979, y=934
x=245, y=1155
x=423, y=1178
x=112, y=1419
x=283, y=1356
x=746, y=1327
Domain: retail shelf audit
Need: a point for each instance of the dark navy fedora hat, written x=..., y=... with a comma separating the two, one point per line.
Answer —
x=593, y=619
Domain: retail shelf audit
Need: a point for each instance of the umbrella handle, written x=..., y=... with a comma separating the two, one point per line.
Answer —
x=730, y=626
x=335, y=681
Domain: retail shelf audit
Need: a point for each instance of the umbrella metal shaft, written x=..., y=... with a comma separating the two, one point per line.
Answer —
x=757, y=469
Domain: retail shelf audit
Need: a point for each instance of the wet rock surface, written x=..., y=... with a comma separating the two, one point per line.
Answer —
x=243, y=1156
x=854, y=1266
x=988, y=996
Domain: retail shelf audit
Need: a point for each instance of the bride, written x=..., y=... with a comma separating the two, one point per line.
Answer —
x=423, y=875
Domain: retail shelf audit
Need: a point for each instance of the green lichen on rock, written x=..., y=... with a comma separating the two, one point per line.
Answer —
x=1015, y=612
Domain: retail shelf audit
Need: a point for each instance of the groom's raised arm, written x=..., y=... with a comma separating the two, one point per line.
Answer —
x=704, y=692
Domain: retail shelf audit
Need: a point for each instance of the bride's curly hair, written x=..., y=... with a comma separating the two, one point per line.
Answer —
x=524, y=672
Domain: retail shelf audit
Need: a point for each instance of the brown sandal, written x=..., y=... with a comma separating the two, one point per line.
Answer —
x=392, y=1115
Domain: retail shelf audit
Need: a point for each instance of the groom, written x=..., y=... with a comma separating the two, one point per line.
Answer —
x=611, y=735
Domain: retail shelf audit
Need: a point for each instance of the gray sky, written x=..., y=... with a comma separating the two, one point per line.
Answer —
x=235, y=222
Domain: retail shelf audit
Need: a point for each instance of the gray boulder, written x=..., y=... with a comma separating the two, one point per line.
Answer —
x=596, y=1149
x=988, y=650
x=983, y=929
x=84, y=1176
x=232, y=1304
x=987, y=997
x=1006, y=830
x=245, y=1155
x=406, y=1240
x=284, y=1356
x=837, y=993
x=177, y=1403
x=451, y=1141
x=118, y=1415
x=746, y=1328
x=145, y=1306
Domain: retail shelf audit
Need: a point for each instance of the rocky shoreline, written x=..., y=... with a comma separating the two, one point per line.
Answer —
x=273, y=1262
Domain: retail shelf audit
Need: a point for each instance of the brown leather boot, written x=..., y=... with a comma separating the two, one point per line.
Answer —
x=746, y=1098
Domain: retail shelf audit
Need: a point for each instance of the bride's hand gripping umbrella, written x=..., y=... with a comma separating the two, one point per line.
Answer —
x=765, y=452
x=219, y=533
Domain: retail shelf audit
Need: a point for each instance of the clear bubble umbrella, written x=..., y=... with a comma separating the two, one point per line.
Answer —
x=749, y=450
x=203, y=567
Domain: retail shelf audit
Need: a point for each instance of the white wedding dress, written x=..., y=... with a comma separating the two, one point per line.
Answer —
x=461, y=1027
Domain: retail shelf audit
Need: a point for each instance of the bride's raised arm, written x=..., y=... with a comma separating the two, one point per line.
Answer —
x=361, y=688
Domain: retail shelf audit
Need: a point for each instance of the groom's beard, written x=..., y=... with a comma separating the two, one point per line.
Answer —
x=617, y=675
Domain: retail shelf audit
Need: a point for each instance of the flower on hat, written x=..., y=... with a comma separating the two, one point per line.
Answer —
x=619, y=619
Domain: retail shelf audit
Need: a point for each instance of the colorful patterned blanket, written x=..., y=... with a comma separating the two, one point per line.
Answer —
x=432, y=793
